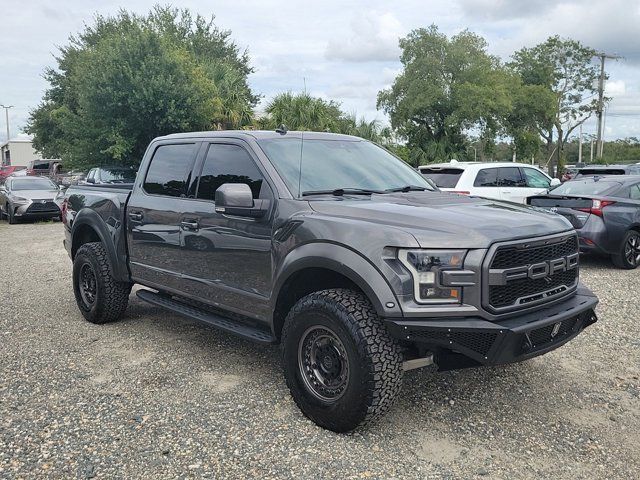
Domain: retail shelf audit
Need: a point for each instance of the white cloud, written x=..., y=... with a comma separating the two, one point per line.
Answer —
x=372, y=37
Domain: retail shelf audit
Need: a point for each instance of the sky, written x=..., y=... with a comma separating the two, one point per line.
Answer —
x=340, y=50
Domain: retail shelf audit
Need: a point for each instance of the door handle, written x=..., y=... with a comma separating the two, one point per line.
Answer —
x=190, y=225
x=136, y=216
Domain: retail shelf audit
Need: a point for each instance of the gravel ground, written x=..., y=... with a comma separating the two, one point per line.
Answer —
x=159, y=396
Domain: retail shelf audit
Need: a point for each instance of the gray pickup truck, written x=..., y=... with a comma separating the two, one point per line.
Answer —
x=333, y=248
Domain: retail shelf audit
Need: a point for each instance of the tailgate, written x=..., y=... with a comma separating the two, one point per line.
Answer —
x=574, y=209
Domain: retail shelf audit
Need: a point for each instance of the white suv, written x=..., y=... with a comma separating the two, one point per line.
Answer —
x=512, y=182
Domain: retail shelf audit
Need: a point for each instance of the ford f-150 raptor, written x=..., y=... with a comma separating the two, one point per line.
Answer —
x=335, y=249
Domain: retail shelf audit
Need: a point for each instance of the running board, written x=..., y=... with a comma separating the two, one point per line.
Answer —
x=256, y=334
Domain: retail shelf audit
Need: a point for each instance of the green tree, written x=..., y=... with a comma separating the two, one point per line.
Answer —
x=303, y=112
x=564, y=68
x=127, y=79
x=448, y=87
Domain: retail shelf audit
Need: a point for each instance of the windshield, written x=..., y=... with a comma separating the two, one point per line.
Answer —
x=443, y=177
x=117, y=175
x=586, y=187
x=338, y=164
x=33, y=184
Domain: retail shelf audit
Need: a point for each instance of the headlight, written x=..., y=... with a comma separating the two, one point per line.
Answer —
x=60, y=195
x=15, y=199
x=426, y=267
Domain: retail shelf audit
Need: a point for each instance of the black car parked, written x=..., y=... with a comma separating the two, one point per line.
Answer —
x=595, y=170
x=605, y=211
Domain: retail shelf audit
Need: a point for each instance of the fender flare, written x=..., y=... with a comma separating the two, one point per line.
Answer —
x=108, y=236
x=344, y=261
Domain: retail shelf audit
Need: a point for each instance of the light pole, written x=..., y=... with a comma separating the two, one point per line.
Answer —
x=6, y=116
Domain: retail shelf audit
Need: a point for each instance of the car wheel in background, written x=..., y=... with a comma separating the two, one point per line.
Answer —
x=340, y=364
x=10, y=215
x=99, y=296
x=629, y=256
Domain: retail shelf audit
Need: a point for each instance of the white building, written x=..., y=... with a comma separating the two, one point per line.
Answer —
x=18, y=151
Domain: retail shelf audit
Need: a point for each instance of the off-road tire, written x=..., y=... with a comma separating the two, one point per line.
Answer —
x=374, y=358
x=111, y=296
x=620, y=260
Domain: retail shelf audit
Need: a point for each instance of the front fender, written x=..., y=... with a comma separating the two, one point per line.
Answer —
x=344, y=261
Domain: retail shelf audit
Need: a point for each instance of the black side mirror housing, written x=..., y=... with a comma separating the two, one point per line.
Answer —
x=237, y=199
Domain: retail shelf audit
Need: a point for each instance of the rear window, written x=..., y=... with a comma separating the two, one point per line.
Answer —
x=587, y=187
x=602, y=171
x=443, y=177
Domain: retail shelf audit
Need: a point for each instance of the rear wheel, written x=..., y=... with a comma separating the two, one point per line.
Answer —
x=629, y=255
x=99, y=296
x=341, y=366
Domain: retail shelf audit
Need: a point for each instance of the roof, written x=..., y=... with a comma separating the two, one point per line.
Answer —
x=20, y=138
x=262, y=135
x=464, y=165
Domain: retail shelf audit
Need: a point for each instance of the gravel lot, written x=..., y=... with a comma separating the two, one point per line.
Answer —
x=159, y=396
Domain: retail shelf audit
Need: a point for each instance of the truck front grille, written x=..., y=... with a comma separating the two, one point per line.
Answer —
x=531, y=272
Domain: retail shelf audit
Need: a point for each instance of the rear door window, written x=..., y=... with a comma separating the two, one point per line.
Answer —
x=170, y=170
x=487, y=177
x=443, y=177
x=510, y=177
x=634, y=192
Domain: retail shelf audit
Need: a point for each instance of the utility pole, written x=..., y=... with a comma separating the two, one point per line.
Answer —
x=580, y=145
x=6, y=114
x=6, y=158
x=600, y=110
x=591, y=157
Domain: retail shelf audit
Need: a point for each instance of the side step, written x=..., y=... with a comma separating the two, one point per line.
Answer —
x=256, y=334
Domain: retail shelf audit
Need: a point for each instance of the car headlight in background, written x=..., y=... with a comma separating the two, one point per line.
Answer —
x=16, y=199
x=60, y=195
x=426, y=267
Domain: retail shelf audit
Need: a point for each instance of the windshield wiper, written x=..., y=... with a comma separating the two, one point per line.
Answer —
x=338, y=192
x=407, y=188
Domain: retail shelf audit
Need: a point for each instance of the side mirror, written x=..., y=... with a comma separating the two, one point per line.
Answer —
x=91, y=180
x=555, y=182
x=237, y=199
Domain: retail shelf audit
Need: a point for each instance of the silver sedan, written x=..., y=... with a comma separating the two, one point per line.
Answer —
x=30, y=197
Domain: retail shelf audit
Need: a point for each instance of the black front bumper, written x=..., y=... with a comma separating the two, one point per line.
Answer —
x=504, y=341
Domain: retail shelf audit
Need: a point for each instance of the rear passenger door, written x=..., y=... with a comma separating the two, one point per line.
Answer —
x=486, y=184
x=512, y=185
x=227, y=258
x=154, y=213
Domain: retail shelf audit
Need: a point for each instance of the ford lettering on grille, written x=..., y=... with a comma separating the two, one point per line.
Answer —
x=534, y=272
x=522, y=274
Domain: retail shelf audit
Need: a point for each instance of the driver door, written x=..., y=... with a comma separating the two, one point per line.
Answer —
x=226, y=259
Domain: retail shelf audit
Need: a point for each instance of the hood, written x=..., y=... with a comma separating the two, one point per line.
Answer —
x=36, y=194
x=438, y=219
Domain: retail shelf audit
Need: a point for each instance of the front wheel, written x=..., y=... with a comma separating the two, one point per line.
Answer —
x=99, y=296
x=341, y=366
x=629, y=256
